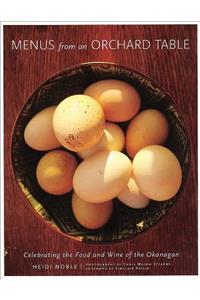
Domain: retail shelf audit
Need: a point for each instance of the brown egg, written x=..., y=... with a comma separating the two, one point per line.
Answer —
x=157, y=172
x=91, y=215
x=78, y=122
x=119, y=100
x=39, y=133
x=55, y=171
x=112, y=139
x=150, y=127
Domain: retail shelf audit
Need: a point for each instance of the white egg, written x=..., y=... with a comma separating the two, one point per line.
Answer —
x=132, y=197
x=102, y=176
x=157, y=172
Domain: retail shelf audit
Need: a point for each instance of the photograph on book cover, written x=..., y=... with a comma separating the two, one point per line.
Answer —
x=100, y=161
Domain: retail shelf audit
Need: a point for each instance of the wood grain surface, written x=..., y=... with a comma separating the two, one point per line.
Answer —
x=176, y=72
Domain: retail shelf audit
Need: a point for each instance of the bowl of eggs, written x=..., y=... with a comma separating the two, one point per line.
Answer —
x=100, y=152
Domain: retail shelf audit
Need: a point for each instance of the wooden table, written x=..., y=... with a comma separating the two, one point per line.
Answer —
x=24, y=71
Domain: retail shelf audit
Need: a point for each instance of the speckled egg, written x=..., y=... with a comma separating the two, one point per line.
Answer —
x=78, y=122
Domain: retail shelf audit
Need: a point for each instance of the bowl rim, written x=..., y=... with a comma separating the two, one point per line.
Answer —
x=56, y=228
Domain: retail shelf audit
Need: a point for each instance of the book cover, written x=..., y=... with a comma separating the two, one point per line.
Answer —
x=133, y=73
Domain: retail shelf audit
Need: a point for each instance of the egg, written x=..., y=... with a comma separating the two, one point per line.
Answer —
x=132, y=197
x=78, y=122
x=55, y=171
x=157, y=172
x=119, y=100
x=112, y=139
x=150, y=127
x=39, y=133
x=91, y=215
x=102, y=176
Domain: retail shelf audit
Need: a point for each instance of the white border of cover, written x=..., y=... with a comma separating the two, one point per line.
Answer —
x=119, y=287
